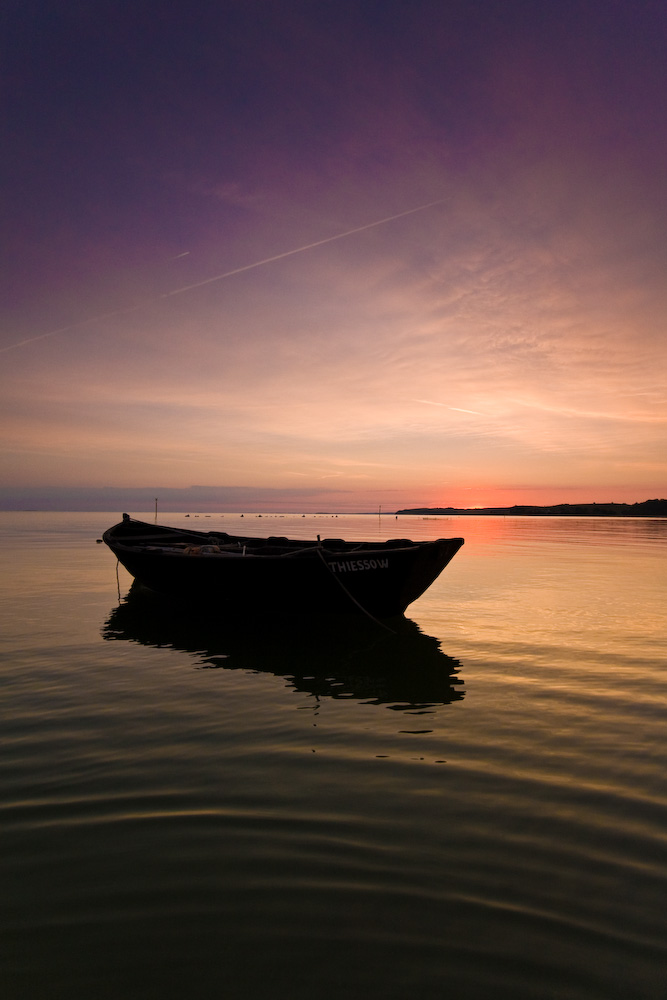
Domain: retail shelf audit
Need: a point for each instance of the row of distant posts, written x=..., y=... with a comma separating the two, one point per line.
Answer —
x=156, y=500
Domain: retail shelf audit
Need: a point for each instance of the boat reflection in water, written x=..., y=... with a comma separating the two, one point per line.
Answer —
x=342, y=658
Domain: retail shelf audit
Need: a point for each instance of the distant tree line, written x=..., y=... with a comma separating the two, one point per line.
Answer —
x=647, y=508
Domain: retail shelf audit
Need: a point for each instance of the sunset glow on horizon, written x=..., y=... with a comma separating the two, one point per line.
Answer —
x=337, y=256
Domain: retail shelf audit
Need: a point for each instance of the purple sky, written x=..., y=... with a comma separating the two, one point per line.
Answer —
x=506, y=344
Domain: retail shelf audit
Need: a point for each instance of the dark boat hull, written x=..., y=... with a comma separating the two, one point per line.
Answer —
x=237, y=575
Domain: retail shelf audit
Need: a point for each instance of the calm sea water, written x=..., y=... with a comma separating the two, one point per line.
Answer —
x=474, y=807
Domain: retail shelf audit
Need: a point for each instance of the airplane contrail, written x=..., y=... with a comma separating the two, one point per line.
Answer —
x=226, y=274
x=445, y=406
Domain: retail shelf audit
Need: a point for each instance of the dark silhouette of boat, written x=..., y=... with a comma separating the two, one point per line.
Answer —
x=343, y=658
x=279, y=575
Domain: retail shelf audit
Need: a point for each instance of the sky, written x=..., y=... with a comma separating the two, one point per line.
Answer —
x=334, y=254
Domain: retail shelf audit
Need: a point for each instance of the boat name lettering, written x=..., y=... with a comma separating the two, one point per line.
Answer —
x=354, y=565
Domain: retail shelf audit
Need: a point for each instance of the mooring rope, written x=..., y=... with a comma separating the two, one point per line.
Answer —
x=353, y=599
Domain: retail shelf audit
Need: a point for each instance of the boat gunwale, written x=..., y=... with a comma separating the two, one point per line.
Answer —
x=150, y=544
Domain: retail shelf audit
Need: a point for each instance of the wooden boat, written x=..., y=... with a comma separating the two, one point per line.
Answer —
x=239, y=574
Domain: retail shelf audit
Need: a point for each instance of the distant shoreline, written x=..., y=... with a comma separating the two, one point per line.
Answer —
x=647, y=508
